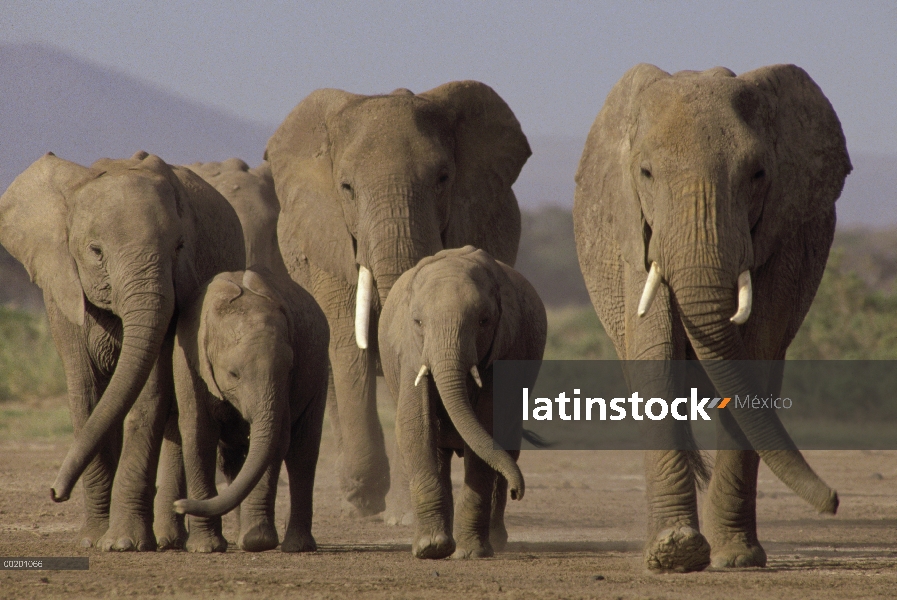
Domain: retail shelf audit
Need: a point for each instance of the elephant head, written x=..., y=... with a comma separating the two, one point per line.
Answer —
x=703, y=177
x=369, y=185
x=118, y=236
x=236, y=338
x=453, y=315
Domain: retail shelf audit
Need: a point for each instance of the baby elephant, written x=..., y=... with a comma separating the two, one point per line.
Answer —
x=443, y=325
x=250, y=369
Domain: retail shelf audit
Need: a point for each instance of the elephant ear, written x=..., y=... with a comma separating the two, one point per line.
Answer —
x=312, y=219
x=605, y=196
x=34, y=229
x=490, y=151
x=522, y=327
x=810, y=160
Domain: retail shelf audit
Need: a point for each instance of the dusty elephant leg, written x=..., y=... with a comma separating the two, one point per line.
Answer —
x=730, y=515
x=498, y=534
x=474, y=509
x=301, y=462
x=363, y=466
x=399, y=508
x=674, y=542
x=257, y=530
x=199, y=435
x=168, y=526
x=131, y=514
x=431, y=492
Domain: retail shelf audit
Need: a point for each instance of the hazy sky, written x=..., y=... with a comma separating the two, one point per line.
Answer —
x=553, y=62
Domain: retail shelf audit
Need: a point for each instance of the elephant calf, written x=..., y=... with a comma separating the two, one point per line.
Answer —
x=251, y=377
x=451, y=317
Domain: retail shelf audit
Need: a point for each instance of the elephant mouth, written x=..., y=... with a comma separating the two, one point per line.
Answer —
x=744, y=287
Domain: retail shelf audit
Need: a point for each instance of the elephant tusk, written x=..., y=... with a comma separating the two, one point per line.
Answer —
x=745, y=299
x=476, y=376
x=651, y=286
x=363, y=306
x=424, y=371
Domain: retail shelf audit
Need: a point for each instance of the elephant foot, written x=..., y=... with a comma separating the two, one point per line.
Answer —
x=298, y=542
x=473, y=549
x=258, y=538
x=399, y=518
x=170, y=534
x=433, y=546
x=356, y=508
x=204, y=541
x=128, y=534
x=498, y=536
x=92, y=531
x=677, y=550
x=737, y=555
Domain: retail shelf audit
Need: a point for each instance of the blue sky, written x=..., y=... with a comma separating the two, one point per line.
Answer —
x=554, y=62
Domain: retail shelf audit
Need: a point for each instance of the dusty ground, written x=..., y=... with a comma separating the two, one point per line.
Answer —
x=577, y=534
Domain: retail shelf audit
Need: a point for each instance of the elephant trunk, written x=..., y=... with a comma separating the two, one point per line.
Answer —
x=267, y=435
x=451, y=380
x=145, y=315
x=400, y=229
x=706, y=296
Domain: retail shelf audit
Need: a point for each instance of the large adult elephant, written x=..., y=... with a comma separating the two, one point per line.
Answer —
x=368, y=186
x=695, y=189
x=116, y=248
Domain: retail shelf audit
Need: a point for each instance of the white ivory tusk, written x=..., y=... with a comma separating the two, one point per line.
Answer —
x=424, y=371
x=651, y=286
x=745, y=299
x=363, y=306
x=476, y=376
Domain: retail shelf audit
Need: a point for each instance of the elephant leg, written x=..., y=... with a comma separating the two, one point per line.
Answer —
x=257, y=530
x=362, y=462
x=199, y=434
x=399, y=508
x=133, y=491
x=431, y=491
x=85, y=388
x=474, y=510
x=302, y=461
x=498, y=533
x=168, y=526
x=730, y=514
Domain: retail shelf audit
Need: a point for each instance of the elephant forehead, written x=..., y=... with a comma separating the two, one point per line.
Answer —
x=381, y=119
x=138, y=203
x=454, y=287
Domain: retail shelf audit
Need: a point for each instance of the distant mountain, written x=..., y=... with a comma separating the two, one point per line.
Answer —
x=869, y=197
x=52, y=101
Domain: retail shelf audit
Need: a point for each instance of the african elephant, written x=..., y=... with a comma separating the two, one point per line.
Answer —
x=695, y=189
x=251, y=193
x=368, y=186
x=116, y=248
x=250, y=368
x=445, y=323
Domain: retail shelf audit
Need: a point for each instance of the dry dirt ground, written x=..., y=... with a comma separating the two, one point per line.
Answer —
x=577, y=534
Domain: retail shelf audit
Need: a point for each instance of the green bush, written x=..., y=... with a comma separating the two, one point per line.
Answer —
x=29, y=364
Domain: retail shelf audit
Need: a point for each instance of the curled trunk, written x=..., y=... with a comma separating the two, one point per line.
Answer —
x=451, y=379
x=265, y=438
x=706, y=307
x=145, y=318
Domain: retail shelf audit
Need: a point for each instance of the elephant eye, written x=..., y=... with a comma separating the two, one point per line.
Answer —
x=234, y=374
x=759, y=174
x=417, y=322
x=646, y=173
x=346, y=186
x=484, y=320
x=443, y=178
x=96, y=250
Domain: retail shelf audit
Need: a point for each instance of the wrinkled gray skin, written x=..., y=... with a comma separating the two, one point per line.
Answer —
x=381, y=182
x=456, y=310
x=710, y=175
x=116, y=248
x=250, y=368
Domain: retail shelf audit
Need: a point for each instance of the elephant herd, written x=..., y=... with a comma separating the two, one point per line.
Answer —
x=206, y=314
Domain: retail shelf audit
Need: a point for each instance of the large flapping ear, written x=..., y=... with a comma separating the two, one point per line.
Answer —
x=810, y=155
x=490, y=151
x=604, y=192
x=34, y=229
x=523, y=327
x=312, y=219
